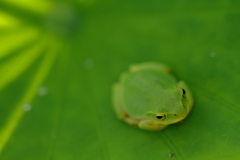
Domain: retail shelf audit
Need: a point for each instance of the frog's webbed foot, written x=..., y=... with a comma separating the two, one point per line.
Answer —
x=151, y=125
x=149, y=65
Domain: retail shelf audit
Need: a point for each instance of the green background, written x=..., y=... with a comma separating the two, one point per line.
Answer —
x=58, y=61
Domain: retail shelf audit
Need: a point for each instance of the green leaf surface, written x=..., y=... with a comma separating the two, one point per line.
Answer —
x=58, y=61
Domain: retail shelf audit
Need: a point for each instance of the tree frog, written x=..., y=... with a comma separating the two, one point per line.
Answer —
x=149, y=97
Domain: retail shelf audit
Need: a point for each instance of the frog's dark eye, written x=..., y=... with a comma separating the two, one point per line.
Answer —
x=183, y=93
x=160, y=116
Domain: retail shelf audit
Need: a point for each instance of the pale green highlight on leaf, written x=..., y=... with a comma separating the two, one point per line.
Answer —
x=18, y=112
x=8, y=21
x=18, y=38
x=38, y=6
x=15, y=66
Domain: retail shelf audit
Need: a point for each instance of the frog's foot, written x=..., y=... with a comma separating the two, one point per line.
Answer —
x=129, y=119
x=151, y=125
x=149, y=65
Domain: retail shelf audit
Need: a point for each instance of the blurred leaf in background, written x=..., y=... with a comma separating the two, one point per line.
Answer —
x=59, y=59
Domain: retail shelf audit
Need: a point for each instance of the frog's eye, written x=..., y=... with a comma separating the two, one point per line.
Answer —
x=183, y=93
x=160, y=116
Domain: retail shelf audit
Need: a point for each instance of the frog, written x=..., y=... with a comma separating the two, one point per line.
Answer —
x=149, y=97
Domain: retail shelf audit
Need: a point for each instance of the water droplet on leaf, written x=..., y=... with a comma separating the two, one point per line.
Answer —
x=27, y=107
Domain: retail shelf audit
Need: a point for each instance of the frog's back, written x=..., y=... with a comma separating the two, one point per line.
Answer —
x=142, y=90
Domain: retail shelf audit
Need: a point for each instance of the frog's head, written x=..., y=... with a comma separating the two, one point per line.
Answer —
x=175, y=108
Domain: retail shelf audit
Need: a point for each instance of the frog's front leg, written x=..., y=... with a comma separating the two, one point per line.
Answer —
x=151, y=125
